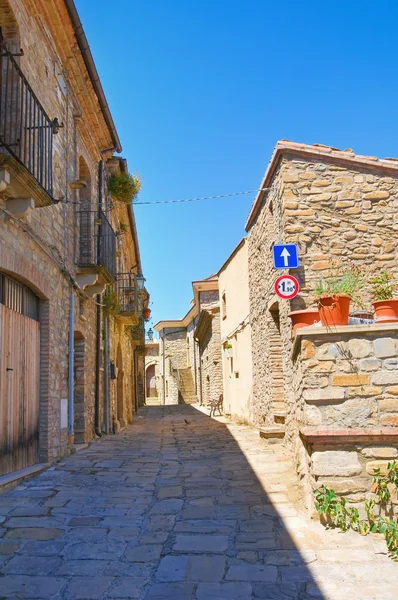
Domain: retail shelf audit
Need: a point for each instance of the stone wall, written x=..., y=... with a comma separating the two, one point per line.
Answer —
x=174, y=347
x=346, y=386
x=211, y=359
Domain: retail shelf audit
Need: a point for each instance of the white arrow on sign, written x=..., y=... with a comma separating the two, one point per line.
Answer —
x=285, y=254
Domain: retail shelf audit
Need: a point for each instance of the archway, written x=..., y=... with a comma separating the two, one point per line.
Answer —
x=120, y=388
x=150, y=380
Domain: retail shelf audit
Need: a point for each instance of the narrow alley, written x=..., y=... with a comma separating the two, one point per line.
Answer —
x=179, y=506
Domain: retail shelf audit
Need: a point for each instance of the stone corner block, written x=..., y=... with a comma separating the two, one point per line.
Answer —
x=336, y=463
x=384, y=347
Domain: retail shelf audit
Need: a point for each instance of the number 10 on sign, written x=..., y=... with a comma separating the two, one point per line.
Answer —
x=286, y=287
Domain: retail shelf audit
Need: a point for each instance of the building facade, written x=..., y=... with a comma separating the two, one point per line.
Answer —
x=190, y=349
x=69, y=300
x=331, y=394
x=233, y=284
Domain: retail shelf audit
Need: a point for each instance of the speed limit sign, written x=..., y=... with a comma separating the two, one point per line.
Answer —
x=287, y=287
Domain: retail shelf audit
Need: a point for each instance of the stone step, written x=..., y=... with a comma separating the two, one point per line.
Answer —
x=279, y=417
x=273, y=434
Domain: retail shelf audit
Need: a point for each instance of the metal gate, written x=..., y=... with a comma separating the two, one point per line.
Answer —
x=19, y=376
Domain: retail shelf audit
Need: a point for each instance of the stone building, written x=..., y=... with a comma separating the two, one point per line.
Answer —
x=153, y=389
x=190, y=349
x=71, y=356
x=331, y=394
x=233, y=284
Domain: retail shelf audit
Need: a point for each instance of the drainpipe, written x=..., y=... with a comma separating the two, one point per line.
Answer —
x=164, y=366
x=97, y=368
x=71, y=352
x=106, y=375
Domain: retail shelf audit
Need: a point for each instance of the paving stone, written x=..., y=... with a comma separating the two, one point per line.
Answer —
x=165, y=507
x=126, y=587
x=265, y=591
x=34, y=533
x=31, y=565
x=90, y=568
x=83, y=522
x=172, y=568
x=85, y=534
x=8, y=546
x=42, y=548
x=224, y=591
x=169, y=491
x=144, y=553
x=248, y=572
x=201, y=543
x=85, y=588
x=25, y=586
x=93, y=550
x=170, y=591
x=125, y=533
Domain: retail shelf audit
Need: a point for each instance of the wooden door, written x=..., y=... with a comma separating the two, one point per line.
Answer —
x=19, y=383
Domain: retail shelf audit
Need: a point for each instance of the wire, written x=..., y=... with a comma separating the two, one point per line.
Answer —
x=180, y=201
x=202, y=198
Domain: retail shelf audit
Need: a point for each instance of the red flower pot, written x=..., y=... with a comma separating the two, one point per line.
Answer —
x=386, y=310
x=304, y=318
x=334, y=310
x=146, y=314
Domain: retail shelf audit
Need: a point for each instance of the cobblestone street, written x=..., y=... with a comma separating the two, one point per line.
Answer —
x=179, y=506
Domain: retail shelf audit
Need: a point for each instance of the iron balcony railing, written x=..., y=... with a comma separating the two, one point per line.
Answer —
x=26, y=131
x=97, y=241
x=127, y=293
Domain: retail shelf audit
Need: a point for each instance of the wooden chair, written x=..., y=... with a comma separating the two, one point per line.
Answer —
x=216, y=405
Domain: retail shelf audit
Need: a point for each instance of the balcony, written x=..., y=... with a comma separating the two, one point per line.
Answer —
x=96, y=259
x=127, y=294
x=26, y=140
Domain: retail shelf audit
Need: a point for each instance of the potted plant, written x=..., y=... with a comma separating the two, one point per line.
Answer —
x=228, y=350
x=385, y=305
x=146, y=314
x=334, y=294
x=110, y=301
x=304, y=318
x=124, y=187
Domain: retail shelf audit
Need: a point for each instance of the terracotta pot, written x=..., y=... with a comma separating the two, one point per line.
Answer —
x=334, y=310
x=386, y=310
x=146, y=313
x=304, y=318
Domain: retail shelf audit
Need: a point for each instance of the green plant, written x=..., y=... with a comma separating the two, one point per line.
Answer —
x=227, y=346
x=334, y=511
x=348, y=282
x=124, y=187
x=383, y=286
x=123, y=228
x=110, y=301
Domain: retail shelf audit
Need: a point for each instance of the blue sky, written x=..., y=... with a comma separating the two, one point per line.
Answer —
x=200, y=93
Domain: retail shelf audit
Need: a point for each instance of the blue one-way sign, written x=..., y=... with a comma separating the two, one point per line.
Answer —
x=285, y=256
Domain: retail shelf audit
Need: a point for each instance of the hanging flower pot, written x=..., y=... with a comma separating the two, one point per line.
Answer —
x=228, y=351
x=334, y=309
x=386, y=310
x=146, y=314
x=304, y=318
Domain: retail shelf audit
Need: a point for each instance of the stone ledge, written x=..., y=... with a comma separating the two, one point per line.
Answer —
x=319, y=331
x=350, y=436
x=11, y=479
